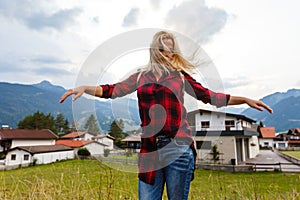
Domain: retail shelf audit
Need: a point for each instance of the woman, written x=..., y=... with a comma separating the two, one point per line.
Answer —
x=167, y=153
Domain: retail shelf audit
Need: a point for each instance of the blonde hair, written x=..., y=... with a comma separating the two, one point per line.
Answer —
x=159, y=63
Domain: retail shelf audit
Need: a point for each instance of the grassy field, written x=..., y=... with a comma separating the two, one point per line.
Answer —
x=91, y=179
x=295, y=154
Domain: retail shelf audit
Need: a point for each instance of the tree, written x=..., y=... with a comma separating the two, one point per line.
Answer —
x=61, y=124
x=38, y=121
x=215, y=154
x=41, y=121
x=116, y=131
x=91, y=125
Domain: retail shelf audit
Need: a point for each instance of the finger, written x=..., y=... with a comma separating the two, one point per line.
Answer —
x=266, y=107
x=66, y=95
x=76, y=96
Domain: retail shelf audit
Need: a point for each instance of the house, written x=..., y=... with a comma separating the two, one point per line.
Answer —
x=78, y=136
x=289, y=140
x=22, y=147
x=39, y=154
x=94, y=147
x=105, y=139
x=235, y=136
x=266, y=137
x=10, y=138
x=133, y=142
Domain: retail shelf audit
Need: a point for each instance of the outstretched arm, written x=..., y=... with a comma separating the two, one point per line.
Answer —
x=259, y=105
x=78, y=92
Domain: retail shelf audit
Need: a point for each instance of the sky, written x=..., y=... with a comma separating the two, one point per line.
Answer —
x=254, y=44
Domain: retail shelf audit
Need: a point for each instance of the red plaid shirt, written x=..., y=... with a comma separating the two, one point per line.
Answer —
x=161, y=110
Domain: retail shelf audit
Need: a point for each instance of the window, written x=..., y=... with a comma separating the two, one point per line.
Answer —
x=26, y=157
x=13, y=156
x=205, y=124
x=229, y=123
x=203, y=145
x=266, y=143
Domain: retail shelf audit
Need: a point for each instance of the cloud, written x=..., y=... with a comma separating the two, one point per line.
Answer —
x=50, y=71
x=155, y=4
x=193, y=17
x=58, y=20
x=131, y=18
x=38, y=14
x=50, y=60
x=236, y=82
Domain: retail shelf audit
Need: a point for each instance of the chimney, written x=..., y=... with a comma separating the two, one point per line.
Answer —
x=5, y=127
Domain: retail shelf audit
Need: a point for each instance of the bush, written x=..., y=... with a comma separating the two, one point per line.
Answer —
x=83, y=152
x=106, y=152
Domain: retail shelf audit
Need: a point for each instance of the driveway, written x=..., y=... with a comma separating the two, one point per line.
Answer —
x=271, y=161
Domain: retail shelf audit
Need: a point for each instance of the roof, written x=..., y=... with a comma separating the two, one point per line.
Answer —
x=103, y=136
x=267, y=132
x=222, y=113
x=77, y=143
x=27, y=134
x=43, y=148
x=74, y=135
x=294, y=130
x=132, y=138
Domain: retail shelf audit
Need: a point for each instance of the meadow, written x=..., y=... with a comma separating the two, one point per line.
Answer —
x=91, y=179
x=295, y=154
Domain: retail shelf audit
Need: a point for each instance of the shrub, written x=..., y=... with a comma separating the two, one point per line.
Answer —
x=106, y=152
x=83, y=152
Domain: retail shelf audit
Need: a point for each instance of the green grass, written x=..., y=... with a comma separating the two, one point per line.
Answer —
x=295, y=154
x=91, y=179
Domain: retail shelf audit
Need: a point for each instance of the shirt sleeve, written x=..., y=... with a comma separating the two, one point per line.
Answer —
x=196, y=90
x=120, y=89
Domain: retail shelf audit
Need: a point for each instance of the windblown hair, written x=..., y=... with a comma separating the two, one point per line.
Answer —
x=159, y=63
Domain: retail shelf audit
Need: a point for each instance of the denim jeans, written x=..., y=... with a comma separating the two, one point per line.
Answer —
x=177, y=166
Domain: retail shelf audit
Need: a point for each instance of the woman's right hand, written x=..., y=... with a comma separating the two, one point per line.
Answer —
x=78, y=92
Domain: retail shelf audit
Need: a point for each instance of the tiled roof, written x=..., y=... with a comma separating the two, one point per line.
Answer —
x=76, y=143
x=73, y=135
x=267, y=132
x=26, y=134
x=43, y=148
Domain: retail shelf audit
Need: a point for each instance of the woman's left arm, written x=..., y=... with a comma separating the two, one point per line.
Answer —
x=259, y=105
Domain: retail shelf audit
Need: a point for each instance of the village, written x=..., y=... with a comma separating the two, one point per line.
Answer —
x=221, y=139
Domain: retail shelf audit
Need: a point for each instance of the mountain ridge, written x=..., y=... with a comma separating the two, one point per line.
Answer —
x=18, y=100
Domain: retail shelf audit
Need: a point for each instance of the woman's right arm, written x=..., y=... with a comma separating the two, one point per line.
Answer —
x=78, y=92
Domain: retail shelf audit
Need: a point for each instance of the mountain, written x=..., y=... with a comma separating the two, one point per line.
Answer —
x=18, y=101
x=286, y=107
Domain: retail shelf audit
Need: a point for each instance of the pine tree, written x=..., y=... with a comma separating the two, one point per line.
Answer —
x=38, y=121
x=116, y=131
x=61, y=124
x=91, y=125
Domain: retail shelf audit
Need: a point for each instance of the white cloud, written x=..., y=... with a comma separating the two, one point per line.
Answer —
x=194, y=18
x=38, y=14
x=131, y=18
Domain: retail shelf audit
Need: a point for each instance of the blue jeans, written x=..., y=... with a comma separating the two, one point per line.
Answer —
x=177, y=166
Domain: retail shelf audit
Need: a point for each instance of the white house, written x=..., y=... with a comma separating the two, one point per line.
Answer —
x=40, y=154
x=234, y=135
x=266, y=137
x=10, y=138
x=78, y=136
x=105, y=139
x=21, y=147
x=95, y=148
